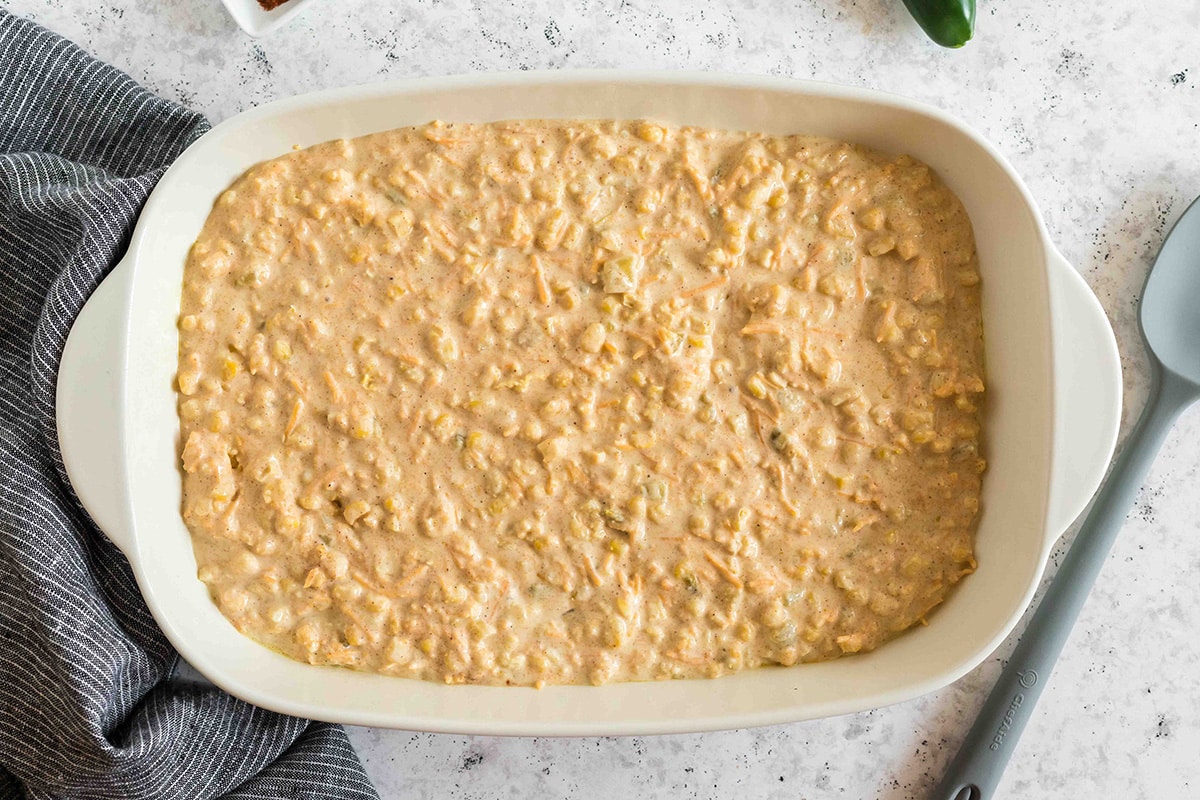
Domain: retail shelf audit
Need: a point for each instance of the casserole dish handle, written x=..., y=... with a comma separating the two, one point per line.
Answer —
x=1087, y=394
x=89, y=403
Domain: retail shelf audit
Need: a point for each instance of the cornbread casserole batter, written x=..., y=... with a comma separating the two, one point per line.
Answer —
x=562, y=402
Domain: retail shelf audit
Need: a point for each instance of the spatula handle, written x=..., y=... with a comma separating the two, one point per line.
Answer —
x=976, y=770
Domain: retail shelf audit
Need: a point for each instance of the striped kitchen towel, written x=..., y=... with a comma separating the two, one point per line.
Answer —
x=87, y=707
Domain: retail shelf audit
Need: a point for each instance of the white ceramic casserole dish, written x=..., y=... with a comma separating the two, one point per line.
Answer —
x=1051, y=417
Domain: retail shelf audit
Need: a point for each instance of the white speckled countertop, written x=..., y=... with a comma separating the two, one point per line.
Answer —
x=1097, y=106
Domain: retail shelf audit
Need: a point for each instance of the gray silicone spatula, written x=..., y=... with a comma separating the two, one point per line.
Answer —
x=1170, y=320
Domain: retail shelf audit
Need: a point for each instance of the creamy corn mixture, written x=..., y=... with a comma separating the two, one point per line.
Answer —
x=563, y=402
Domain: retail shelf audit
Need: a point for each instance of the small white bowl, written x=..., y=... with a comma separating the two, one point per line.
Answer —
x=254, y=20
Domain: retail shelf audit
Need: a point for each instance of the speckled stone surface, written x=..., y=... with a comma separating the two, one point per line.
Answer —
x=1097, y=106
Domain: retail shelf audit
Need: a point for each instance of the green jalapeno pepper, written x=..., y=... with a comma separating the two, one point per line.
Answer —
x=950, y=23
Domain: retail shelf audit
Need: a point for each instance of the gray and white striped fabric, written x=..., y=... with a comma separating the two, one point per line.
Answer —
x=87, y=707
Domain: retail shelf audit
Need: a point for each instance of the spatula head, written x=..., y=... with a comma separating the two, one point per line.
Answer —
x=1170, y=307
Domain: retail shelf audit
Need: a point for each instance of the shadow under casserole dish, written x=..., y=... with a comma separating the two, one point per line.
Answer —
x=561, y=402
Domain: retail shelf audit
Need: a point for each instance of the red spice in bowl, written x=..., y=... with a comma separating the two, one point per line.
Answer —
x=269, y=4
